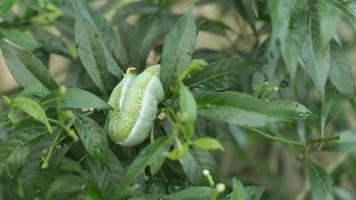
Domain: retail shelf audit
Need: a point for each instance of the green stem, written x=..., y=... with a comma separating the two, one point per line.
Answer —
x=49, y=152
x=274, y=138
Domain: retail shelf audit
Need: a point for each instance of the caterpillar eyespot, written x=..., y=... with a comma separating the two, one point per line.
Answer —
x=134, y=101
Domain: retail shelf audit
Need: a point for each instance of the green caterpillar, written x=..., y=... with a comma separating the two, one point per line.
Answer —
x=134, y=101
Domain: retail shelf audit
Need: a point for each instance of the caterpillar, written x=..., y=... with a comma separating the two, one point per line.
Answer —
x=134, y=104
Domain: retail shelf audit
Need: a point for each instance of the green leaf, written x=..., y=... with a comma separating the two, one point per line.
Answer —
x=21, y=38
x=91, y=53
x=188, y=108
x=16, y=140
x=33, y=109
x=152, y=155
x=243, y=109
x=6, y=6
x=315, y=62
x=25, y=67
x=280, y=12
x=246, y=10
x=92, y=193
x=178, y=50
x=253, y=192
x=73, y=98
x=178, y=152
x=93, y=138
x=222, y=74
x=340, y=71
x=110, y=41
x=34, y=180
x=320, y=181
x=191, y=193
x=238, y=191
x=65, y=184
x=329, y=21
x=208, y=143
x=292, y=42
x=50, y=42
x=194, y=162
x=146, y=36
x=349, y=10
x=346, y=143
x=108, y=175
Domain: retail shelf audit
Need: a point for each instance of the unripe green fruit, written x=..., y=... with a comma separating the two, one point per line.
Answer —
x=134, y=101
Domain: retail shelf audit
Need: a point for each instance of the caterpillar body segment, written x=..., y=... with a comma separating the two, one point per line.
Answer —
x=137, y=107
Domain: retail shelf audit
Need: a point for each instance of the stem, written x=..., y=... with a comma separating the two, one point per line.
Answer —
x=337, y=137
x=274, y=138
x=49, y=153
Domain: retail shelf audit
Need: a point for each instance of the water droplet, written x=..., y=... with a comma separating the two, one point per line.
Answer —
x=77, y=45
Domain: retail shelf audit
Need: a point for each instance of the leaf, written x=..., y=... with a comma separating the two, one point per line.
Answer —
x=315, y=62
x=108, y=175
x=73, y=98
x=346, y=143
x=191, y=193
x=6, y=6
x=340, y=71
x=280, y=12
x=194, y=162
x=329, y=21
x=253, y=192
x=34, y=180
x=21, y=38
x=187, y=103
x=188, y=108
x=178, y=49
x=25, y=67
x=65, y=184
x=51, y=42
x=16, y=140
x=92, y=193
x=349, y=10
x=91, y=53
x=320, y=181
x=33, y=109
x=238, y=190
x=110, y=41
x=208, y=143
x=243, y=109
x=217, y=27
x=245, y=9
x=292, y=42
x=222, y=74
x=152, y=155
x=147, y=34
x=93, y=138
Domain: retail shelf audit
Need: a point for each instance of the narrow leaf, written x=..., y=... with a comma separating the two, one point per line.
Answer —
x=178, y=49
x=33, y=109
x=73, y=98
x=194, y=162
x=243, y=109
x=151, y=155
x=108, y=175
x=25, y=67
x=208, y=144
x=238, y=191
x=320, y=181
x=222, y=74
x=195, y=192
x=93, y=138
x=340, y=71
x=91, y=53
